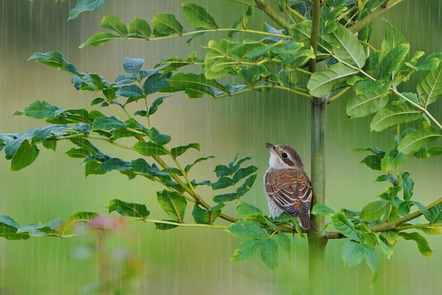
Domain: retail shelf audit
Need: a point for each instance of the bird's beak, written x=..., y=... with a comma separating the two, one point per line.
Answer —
x=270, y=146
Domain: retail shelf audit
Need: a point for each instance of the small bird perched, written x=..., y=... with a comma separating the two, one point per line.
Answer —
x=287, y=186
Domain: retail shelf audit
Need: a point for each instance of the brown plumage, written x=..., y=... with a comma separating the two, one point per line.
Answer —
x=287, y=186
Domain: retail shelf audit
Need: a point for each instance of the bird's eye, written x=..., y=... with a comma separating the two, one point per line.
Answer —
x=284, y=155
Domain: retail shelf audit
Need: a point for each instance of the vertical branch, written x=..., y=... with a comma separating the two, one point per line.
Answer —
x=316, y=241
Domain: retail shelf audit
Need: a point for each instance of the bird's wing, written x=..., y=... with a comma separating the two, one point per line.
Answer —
x=290, y=189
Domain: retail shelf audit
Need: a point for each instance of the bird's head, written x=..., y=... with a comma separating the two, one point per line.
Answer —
x=283, y=156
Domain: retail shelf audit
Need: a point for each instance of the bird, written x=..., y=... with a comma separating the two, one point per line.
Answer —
x=287, y=186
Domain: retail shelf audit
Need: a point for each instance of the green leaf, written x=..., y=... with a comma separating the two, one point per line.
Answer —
x=393, y=38
x=375, y=210
x=245, y=209
x=100, y=38
x=114, y=23
x=24, y=156
x=40, y=110
x=352, y=253
x=247, y=229
x=430, y=88
x=133, y=65
x=243, y=172
x=188, y=167
x=132, y=91
x=222, y=182
x=407, y=185
x=246, y=249
x=9, y=229
x=392, y=61
x=283, y=241
x=108, y=123
x=246, y=186
x=372, y=161
x=372, y=261
x=165, y=226
x=156, y=82
x=301, y=32
x=84, y=217
x=392, y=160
x=195, y=86
x=321, y=83
x=128, y=209
x=198, y=16
x=166, y=24
x=436, y=213
x=173, y=204
x=149, y=149
x=269, y=253
x=390, y=236
x=225, y=198
x=206, y=216
x=393, y=115
x=421, y=242
x=322, y=210
x=179, y=150
x=154, y=107
x=415, y=140
x=344, y=226
x=85, y=5
x=347, y=47
x=139, y=28
x=384, y=247
x=78, y=153
x=85, y=144
x=158, y=138
x=55, y=59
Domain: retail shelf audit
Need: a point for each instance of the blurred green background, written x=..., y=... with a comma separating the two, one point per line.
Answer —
x=187, y=260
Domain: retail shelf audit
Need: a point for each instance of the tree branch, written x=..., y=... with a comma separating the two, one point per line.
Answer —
x=380, y=10
x=267, y=9
x=393, y=225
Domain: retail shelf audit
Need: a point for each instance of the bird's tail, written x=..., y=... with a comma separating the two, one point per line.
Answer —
x=306, y=222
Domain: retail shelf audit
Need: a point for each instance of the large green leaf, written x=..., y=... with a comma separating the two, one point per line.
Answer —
x=9, y=229
x=198, y=16
x=366, y=104
x=173, y=204
x=344, y=226
x=139, y=28
x=352, y=253
x=346, y=47
x=321, y=83
x=393, y=60
x=85, y=5
x=247, y=229
x=196, y=86
x=421, y=242
x=393, y=37
x=39, y=110
x=269, y=253
x=415, y=140
x=301, y=32
x=24, y=156
x=246, y=249
x=114, y=23
x=100, y=38
x=393, y=115
x=166, y=24
x=149, y=149
x=55, y=59
x=128, y=209
x=322, y=210
x=430, y=88
x=375, y=210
